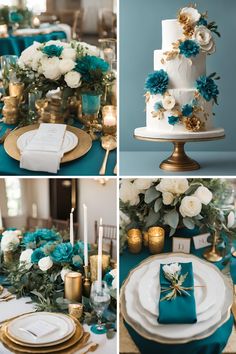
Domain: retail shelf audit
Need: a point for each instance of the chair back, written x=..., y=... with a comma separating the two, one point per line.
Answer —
x=109, y=237
x=38, y=223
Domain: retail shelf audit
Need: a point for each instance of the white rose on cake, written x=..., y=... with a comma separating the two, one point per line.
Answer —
x=73, y=79
x=142, y=183
x=167, y=198
x=190, y=206
x=10, y=240
x=45, y=263
x=204, y=195
x=25, y=258
x=205, y=39
x=191, y=14
x=168, y=102
x=66, y=65
x=129, y=193
x=172, y=269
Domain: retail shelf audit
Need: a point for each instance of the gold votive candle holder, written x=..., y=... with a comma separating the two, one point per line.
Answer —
x=134, y=240
x=76, y=310
x=16, y=89
x=10, y=110
x=73, y=286
x=109, y=120
x=156, y=239
x=94, y=265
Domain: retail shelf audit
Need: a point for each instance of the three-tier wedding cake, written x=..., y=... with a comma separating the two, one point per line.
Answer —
x=179, y=94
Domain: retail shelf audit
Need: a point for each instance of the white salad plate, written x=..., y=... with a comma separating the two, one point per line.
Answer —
x=146, y=323
x=41, y=329
x=69, y=143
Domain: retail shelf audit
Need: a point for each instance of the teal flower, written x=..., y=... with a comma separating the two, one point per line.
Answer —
x=52, y=50
x=30, y=240
x=79, y=249
x=62, y=253
x=108, y=278
x=47, y=235
x=157, y=106
x=89, y=64
x=187, y=110
x=207, y=88
x=202, y=22
x=173, y=120
x=189, y=48
x=157, y=82
x=16, y=17
x=77, y=261
x=37, y=255
x=48, y=247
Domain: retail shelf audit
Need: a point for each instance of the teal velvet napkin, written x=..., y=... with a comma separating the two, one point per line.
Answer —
x=182, y=309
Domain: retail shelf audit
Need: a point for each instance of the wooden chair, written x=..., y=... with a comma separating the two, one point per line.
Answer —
x=60, y=225
x=48, y=17
x=38, y=223
x=77, y=28
x=109, y=237
x=106, y=23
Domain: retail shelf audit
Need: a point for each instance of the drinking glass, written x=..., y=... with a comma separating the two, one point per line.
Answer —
x=99, y=300
x=7, y=67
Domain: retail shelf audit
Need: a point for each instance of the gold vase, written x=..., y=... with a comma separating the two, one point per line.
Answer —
x=94, y=265
x=156, y=239
x=10, y=110
x=134, y=240
x=16, y=89
x=73, y=286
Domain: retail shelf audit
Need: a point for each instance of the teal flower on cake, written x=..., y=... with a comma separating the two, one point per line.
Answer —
x=207, y=87
x=189, y=48
x=187, y=110
x=37, y=255
x=202, y=22
x=62, y=253
x=157, y=82
x=172, y=120
x=157, y=106
x=52, y=50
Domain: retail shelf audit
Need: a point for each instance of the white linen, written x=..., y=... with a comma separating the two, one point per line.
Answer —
x=44, y=151
x=15, y=307
x=48, y=28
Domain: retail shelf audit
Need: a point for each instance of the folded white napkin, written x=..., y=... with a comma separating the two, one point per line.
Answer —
x=44, y=151
x=40, y=328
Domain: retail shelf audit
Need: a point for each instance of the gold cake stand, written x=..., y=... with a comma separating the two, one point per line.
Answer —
x=179, y=161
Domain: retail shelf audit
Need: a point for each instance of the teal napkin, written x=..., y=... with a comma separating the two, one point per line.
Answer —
x=182, y=309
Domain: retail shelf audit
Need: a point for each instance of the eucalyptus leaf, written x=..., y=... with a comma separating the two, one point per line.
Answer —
x=172, y=218
x=189, y=223
x=172, y=231
x=151, y=194
x=157, y=205
x=152, y=218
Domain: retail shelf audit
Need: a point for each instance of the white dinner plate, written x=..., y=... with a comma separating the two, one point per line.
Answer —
x=69, y=143
x=61, y=328
x=172, y=332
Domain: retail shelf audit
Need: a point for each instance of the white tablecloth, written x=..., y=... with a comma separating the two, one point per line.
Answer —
x=16, y=307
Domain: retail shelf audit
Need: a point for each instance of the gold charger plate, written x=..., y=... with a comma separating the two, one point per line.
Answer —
x=84, y=144
x=78, y=338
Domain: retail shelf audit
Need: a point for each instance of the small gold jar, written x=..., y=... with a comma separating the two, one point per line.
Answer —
x=156, y=239
x=134, y=239
x=16, y=89
x=76, y=310
x=94, y=265
x=10, y=110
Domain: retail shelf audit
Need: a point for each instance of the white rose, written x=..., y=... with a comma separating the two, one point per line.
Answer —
x=10, y=240
x=190, y=206
x=168, y=102
x=114, y=283
x=172, y=269
x=173, y=185
x=167, y=198
x=230, y=219
x=90, y=49
x=66, y=65
x=166, y=185
x=124, y=219
x=64, y=271
x=143, y=183
x=129, y=192
x=73, y=79
x=205, y=39
x=29, y=53
x=45, y=263
x=50, y=68
x=36, y=60
x=203, y=194
x=25, y=258
x=68, y=53
x=181, y=185
x=192, y=14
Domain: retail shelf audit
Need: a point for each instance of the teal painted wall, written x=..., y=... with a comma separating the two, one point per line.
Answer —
x=140, y=35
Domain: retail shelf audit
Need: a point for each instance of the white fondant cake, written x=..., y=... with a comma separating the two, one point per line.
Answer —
x=179, y=95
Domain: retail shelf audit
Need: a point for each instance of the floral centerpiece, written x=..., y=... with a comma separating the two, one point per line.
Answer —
x=174, y=203
x=12, y=15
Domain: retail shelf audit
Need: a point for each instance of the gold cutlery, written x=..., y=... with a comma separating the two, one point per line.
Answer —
x=8, y=298
x=92, y=348
x=3, y=137
x=108, y=143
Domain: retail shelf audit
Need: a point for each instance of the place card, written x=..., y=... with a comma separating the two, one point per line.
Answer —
x=40, y=328
x=181, y=244
x=200, y=241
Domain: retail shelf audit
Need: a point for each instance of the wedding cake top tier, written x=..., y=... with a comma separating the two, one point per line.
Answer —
x=172, y=31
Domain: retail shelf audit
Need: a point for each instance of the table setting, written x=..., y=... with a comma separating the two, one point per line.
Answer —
x=58, y=83
x=57, y=294
x=177, y=292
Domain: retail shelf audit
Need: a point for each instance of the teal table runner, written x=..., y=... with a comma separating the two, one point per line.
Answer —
x=174, y=311
x=214, y=344
x=14, y=45
x=87, y=165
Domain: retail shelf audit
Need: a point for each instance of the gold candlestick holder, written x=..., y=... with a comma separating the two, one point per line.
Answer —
x=86, y=282
x=212, y=254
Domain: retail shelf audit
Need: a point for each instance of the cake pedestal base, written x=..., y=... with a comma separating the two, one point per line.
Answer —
x=179, y=161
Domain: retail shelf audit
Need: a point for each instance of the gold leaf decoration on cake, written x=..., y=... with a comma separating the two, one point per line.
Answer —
x=171, y=54
x=158, y=114
x=188, y=30
x=183, y=18
x=147, y=97
x=162, y=61
x=193, y=124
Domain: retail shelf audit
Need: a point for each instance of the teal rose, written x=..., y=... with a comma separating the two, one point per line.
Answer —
x=52, y=50
x=62, y=253
x=37, y=255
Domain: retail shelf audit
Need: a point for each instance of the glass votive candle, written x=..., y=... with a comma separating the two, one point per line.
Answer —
x=156, y=239
x=94, y=265
x=109, y=119
x=76, y=310
x=134, y=240
x=73, y=286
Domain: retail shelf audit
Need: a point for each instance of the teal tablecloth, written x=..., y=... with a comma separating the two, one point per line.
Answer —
x=87, y=165
x=14, y=45
x=211, y=345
